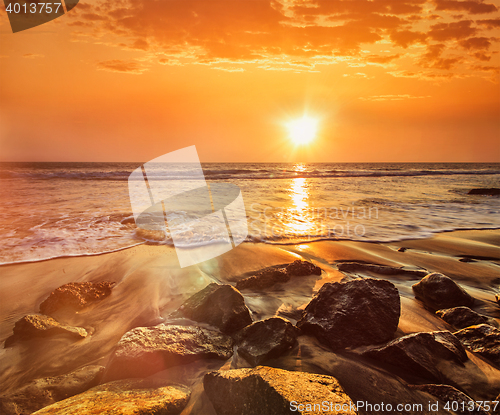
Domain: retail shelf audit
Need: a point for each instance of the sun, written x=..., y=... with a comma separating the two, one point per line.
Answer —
x=303, y=130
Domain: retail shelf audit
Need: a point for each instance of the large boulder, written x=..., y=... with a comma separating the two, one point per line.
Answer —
x=143, y=351
x=270, y=391
x=124, y=397
x=438, y=291
x=419, y=353
x=46, y=391
x=453, y=399
x=267, y=277
x=37, y=326
x=482, y=339
x=461, y=317
x=354, y=313
x=266, y=339
x=75, y=296
x=221, y=306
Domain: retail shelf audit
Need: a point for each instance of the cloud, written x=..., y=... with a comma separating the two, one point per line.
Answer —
x=117, y=65
x=472, y=7
x=477, y=43
x=489, y=23
x=405, y=38
x=391, y=97
x=452, y=31
x=433, y=58
x=382, y=59
x=32, y=56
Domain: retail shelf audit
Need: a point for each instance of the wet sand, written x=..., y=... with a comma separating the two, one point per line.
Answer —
x=150, y=285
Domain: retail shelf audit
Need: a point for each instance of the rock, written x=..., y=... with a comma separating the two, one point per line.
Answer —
x=482, y=339
x=43, y=392
x=143, y=351
x=485, y=191
x=270, y=391
x=402, y=249
x=449, y=394
x=378, y=269
x=267, y=277
x=75, y=296
x=221, y=306
x=124, y=397
x=462, y=317
x=354, y=313
x=266, y=339
x=419, y=353
x=497, y=298
x=37, y=326
x=439, y=291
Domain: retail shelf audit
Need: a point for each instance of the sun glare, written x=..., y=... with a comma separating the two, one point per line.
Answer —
x=303, y=130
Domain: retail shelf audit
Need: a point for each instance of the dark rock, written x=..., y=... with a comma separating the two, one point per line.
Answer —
x=266, y=339
x=266, y=390
x=37, y=326
x=143, y=351
x=402, y=249
x=125, y=397
x=467, y=260
x=449, y=394
x=378, y=269
x=354, y=313
x=43, y=392
x=461, y=317
x=267, y=277
x=439, y=291
x=485, y=191
x=497, y=298
x=482, y=339
x=419, y=353
x=221, y=306
x=75, y=296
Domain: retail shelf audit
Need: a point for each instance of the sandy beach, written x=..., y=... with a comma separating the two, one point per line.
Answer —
x=150, y=285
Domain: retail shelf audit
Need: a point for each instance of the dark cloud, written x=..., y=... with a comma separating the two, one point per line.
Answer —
x=489, y=23
x=452, y=31
x=472, y=7
x=477, y=43
x=433, y=58
x=406, y=38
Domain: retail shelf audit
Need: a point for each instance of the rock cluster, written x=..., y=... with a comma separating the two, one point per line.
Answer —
x=438, y=291
x=482, y=339
x=461, y=317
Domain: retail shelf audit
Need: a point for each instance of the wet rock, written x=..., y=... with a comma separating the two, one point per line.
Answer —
x=267, y=277
x=449, y=394
x=482, y=339
x=419, y=353
x=124, y=397
x=37, y=326
x=46, y=391
x=378, y=269
x=402, y=249
x=485, y=191
x=143, y=351
x=438, y=291
x=221, y=306
x=75, y=296
x=461, y=317
x=497, y=298
x=266, y=339
x=354, y=313
x=270, y=391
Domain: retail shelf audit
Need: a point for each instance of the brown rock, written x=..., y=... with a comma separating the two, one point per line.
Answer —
x=221, y=306
x=461, y=317
x=146, y=350
x=46, y=391
x=124, y=397
x=75, y=296
x=266, y=390
x=354, y=313
x=482, y=339
x=37, y=326
x=266, y=339
x=419, y=353
x=267, y=277
x=438, y=291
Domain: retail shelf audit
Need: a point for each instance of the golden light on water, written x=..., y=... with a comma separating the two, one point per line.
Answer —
x=303, y=130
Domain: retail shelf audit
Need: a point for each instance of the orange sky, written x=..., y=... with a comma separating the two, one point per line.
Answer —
x=129, y=80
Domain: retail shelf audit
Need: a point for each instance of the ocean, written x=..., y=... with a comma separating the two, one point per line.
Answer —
x=50, y=210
